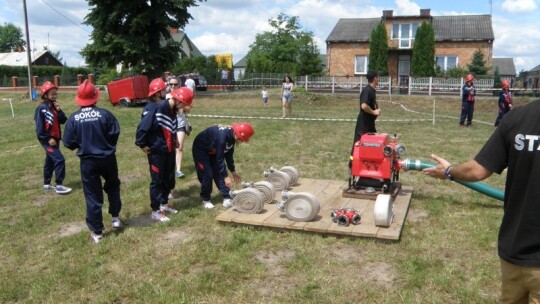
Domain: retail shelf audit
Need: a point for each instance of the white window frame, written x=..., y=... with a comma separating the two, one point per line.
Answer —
x=445, y=63
x=365, y=65
x=404, y=43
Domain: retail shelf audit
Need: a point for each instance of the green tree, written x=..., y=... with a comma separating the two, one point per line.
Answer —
x=11, y=38
x=378, y=50
x=206, y=66
x=284, y=49
x=497, y=78
x=477, y=67
x=423, y=57
x=135, y=33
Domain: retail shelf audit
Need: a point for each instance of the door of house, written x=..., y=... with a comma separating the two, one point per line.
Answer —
x=404, y=71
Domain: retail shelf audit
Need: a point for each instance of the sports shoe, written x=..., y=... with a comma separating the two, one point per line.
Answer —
x=96, y=238
x=62, y=189
x=227, y=203
x=179, y=174
x=116, y=223
x=48, y=187
x=159, y=216
x=170, y=196
x=208, y=204
x=168, y=208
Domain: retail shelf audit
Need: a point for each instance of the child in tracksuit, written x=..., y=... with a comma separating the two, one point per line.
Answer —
x=94, y=132
x=48, y=117
x=213, y=151
x=467, y=102
x=505, y=101
x=156, y=136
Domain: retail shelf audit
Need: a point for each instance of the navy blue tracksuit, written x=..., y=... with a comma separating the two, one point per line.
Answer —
x=94, y=132
x=213, y=151
x=467, y=104
x=48, y=120
x=157, y=130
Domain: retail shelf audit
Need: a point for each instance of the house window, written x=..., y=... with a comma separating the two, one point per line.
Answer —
x=360, y=64
x=405, y=33
x=446, y=62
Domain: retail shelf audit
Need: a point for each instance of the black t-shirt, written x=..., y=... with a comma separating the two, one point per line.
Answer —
x=515, y=145
x=366, y=121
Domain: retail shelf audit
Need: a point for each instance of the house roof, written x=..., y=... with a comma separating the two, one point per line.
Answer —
x=535, y=69
x=242, y=63
x=20, y=58
x=447, y=28
x=181, y=36
x=505, y=66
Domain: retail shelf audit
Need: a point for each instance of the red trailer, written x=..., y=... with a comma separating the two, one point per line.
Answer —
x=128, y=91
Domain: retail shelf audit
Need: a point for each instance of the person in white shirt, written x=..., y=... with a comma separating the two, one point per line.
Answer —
x=190, y=83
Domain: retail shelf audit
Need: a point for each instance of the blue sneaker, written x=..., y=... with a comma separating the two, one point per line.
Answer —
x=179, y=174
x=62, y=189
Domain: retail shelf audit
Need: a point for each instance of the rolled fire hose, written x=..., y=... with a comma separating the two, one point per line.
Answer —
x=266, y=188
x=247, y=200
x=279, y=179
x=485, y=189
x=293, y=174
x=299, y=206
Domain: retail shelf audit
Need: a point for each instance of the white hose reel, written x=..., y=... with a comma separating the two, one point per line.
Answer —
x=266, y=188
x=383, y=210
x=282, y=178
x=299, y=206
x=248, y=200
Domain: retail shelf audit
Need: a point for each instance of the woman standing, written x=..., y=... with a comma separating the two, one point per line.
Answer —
x=286, y=95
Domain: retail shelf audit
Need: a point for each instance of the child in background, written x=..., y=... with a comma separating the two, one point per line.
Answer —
x=264, y=94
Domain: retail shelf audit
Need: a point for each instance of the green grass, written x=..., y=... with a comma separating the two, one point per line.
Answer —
x=447, y=251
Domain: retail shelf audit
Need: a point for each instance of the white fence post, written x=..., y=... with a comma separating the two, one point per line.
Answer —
x=430, y=85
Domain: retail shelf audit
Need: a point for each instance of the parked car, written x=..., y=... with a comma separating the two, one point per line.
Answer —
x=200, y=82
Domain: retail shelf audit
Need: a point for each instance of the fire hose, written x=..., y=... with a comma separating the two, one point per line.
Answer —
x=247, y=200
x=279, y=179
x=299, y=206
x=266, y=188
x=485, y=189
x=293, y=174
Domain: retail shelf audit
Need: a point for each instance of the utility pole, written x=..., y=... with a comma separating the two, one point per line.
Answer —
x=28, y=50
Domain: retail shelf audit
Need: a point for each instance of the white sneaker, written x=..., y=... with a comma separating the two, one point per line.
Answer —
x=62, y=189
x=168, y=208
x=208, y=205
x=170, y=196
x=96, y=238
x=227, y=203
x=116, y=223
x=159, y=216
x=48, y=187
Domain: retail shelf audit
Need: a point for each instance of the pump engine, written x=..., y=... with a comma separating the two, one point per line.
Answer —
x=375, y=164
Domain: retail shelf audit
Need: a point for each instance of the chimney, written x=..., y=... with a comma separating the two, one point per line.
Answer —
x=425, y=12
x=387, y=14
x=173, y=31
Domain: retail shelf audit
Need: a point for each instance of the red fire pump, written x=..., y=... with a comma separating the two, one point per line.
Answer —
x=375, y=164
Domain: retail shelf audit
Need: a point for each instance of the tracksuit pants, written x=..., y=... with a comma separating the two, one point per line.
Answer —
x=92, y=170
x=467, y=111
x=207, y=170
x=54, y=162
x=162, y=169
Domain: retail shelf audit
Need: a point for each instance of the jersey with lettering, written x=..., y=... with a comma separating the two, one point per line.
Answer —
x=93, y=131
x=515, y=144
x=48, y=120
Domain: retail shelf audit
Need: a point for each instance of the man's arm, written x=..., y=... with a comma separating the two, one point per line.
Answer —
x=364, y=106
x=470, y=171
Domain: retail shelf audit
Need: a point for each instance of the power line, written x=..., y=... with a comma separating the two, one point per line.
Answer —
x=65, y=17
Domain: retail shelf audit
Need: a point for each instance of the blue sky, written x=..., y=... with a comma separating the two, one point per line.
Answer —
x=230, y=26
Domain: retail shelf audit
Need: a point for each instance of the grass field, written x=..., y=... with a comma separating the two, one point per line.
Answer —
x=447, y=252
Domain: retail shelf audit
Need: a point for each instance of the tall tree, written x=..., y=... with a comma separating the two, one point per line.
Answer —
x=378, y=50
x=284, y=49
x=135, y=33
x=423, y=58
x=478, y=64
x=497, y=78
x=11, y=38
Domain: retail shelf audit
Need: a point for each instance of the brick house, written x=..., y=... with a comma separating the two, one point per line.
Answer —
x=456, y=39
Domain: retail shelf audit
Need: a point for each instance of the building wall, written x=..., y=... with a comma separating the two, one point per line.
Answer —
x=340, y=57
x=464, y=50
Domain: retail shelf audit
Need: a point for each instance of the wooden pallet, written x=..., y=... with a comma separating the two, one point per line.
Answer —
x=329, y=193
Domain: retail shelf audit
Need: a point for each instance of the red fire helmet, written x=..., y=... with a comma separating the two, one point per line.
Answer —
x=505, y=84
x=156, y=85
x=469, y=77
x=243, y=131
x=87, y=94
x=183, y=95
x=46, y=87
